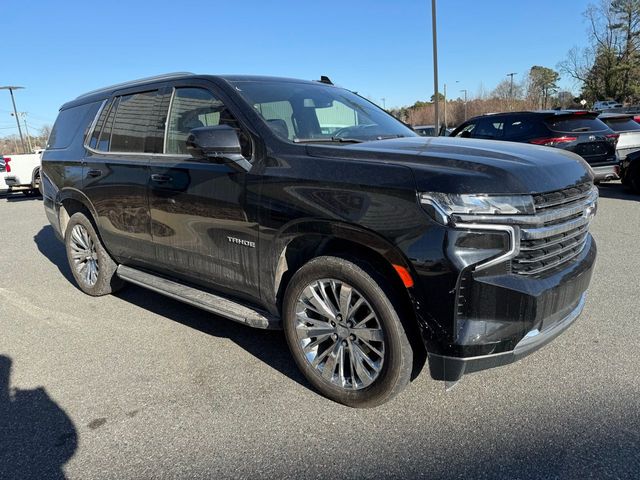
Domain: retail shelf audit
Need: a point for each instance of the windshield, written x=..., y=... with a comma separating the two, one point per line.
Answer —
x=304, y=112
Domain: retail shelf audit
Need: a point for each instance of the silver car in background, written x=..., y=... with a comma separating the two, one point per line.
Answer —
x=627, y=128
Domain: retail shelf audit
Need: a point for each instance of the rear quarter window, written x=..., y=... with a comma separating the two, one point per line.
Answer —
x=576, y=124
x=69, y=122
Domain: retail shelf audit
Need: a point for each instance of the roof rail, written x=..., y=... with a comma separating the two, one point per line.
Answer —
x=132, y=83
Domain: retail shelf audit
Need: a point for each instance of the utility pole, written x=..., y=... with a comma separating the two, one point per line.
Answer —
x=384, y=103
x=445, y=106
x=11, y=88
x=26, y=130
x=435, y=67
x=465, y=103
x=511, y=87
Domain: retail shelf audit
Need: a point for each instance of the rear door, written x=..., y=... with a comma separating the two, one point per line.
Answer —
x=116, y=173
x=200, y=228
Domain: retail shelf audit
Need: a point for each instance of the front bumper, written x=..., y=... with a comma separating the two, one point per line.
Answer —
x=453, y=368
x=507, y=316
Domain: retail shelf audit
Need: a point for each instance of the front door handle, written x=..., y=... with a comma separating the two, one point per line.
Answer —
x=94, y=172
x=159, y=178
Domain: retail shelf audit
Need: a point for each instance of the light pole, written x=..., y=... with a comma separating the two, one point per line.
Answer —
x=465, y=103
x=384, y=103
x=511, y=87
x=435, y=67
x=11, y=88
x=445, y=106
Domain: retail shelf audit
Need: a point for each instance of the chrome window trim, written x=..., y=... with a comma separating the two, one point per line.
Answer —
x=93, y=123
x=142, y=154
x=166, y=124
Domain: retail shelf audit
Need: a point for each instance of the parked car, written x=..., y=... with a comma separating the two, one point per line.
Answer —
x=368, y=246
x=430, y=130
x=606, y=105
x=579, y=132
x=425, y=130
x=21, y=173
x=627, y=128
x=630, y=171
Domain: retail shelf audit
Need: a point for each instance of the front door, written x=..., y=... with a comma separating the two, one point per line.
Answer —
x=199, y=225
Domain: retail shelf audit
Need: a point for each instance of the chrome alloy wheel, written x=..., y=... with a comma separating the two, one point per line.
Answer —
x=340, y=334
x=84, y=255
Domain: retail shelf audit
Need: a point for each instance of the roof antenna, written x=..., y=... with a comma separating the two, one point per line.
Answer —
x=325, y=79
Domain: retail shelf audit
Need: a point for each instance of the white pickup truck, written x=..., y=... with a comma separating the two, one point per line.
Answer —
x=21, y=173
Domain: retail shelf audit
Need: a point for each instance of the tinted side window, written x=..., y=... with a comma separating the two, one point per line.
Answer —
x=489, y=128
x=104, y=140
x=155, y=136
x=68, y=123
x=132, y=122
x=520, y=127
x=95, y=136
x=193, y=108
x=467, y=130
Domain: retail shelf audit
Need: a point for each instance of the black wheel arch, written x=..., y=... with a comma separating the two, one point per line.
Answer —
x=360, y=246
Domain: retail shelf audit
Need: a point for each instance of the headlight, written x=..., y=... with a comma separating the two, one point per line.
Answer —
x=442, y=205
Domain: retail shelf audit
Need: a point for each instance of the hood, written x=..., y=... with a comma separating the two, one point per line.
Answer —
x=463, y=165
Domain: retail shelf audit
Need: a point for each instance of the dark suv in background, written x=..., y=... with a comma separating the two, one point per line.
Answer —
x=293, y=204
x=579, y=132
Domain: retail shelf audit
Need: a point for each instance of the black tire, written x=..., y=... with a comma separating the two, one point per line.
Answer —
x=397, y=364
x=37, y=184
x=633, y=176
x=105, y=280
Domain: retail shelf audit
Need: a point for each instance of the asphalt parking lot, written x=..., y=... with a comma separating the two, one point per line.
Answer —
x=140, y=386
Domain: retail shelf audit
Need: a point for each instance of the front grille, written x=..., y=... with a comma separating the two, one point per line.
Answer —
x=560, y=233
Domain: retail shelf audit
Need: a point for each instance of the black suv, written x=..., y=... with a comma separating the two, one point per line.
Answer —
x=579, y=132
x=294, y=204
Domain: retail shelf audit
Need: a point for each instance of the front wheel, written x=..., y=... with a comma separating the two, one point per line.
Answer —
x=343, y=329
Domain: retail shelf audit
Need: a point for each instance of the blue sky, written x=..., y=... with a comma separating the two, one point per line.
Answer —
x=60, y=49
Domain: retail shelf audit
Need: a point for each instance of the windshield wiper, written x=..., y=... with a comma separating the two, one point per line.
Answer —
x=581, y=129
x=328, y=140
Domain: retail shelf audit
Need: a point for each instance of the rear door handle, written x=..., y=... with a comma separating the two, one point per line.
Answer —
x=159, y=178
x=94, y=172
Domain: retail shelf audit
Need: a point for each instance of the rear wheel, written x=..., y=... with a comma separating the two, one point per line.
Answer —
x=344, y=332
x=633, y=176
x=91, y=265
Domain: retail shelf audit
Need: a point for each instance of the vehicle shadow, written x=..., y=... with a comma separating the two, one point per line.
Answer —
x=19, y=197
x=266, y=345
x=36, y=436
x=617, y=191
x=53, y=249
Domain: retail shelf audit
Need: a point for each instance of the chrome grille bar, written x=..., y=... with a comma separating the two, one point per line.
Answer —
x=561, y=232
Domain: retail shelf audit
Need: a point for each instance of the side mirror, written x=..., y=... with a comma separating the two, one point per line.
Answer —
x=220, y=144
